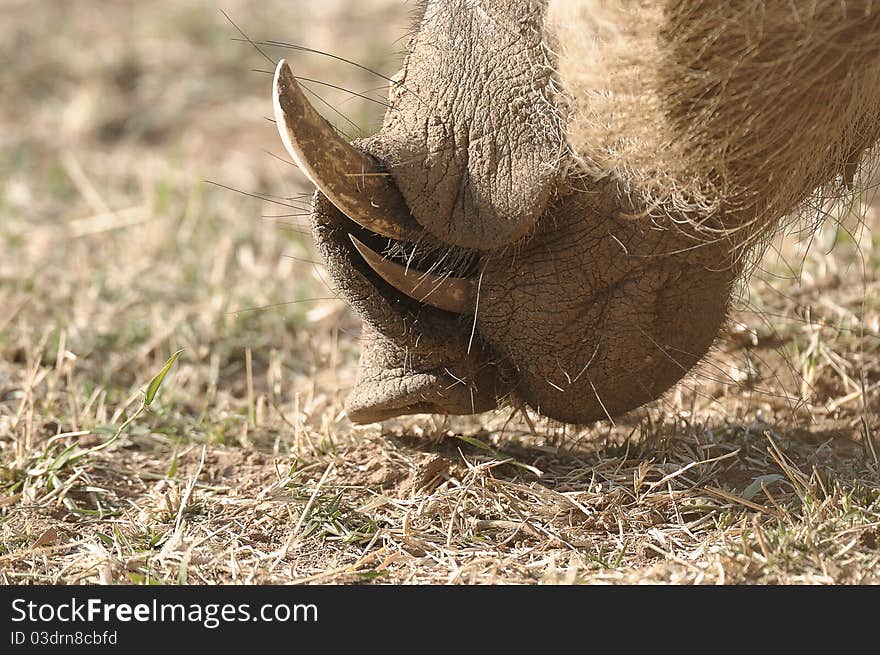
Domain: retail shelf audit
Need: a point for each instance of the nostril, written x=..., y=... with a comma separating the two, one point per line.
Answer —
x=383, y=394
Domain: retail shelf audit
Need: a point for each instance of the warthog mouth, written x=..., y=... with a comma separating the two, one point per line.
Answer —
x=357, y=213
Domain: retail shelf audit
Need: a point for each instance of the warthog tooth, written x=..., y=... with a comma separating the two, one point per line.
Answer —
x=350, y=179
x=451, y=294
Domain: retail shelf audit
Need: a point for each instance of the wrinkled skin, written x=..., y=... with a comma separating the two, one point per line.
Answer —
x=578, y=339
x=582, y=313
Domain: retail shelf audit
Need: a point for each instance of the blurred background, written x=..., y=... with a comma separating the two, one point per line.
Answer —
x=121, y=124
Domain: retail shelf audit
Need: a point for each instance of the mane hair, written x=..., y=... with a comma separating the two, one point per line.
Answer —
x=721, y=116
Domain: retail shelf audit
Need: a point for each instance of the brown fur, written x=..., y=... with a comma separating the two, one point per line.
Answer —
x=727, y=114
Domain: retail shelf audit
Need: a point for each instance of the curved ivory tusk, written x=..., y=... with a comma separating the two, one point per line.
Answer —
x=349, y=178
x=451, y=294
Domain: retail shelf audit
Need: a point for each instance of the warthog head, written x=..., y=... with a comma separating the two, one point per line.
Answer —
x=556, y=212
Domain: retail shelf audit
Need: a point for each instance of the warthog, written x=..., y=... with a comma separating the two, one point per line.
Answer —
x=565, y=194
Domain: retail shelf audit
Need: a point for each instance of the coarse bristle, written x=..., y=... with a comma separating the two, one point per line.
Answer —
x=724, y=116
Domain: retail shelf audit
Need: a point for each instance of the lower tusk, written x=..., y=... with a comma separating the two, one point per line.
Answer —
x=451, y=294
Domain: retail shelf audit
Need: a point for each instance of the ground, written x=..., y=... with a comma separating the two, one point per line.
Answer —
x=123, y=124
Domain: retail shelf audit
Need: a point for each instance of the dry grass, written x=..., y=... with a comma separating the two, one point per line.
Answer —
x=763, y=467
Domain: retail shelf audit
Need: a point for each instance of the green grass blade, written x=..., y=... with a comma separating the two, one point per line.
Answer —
x=156, y=382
